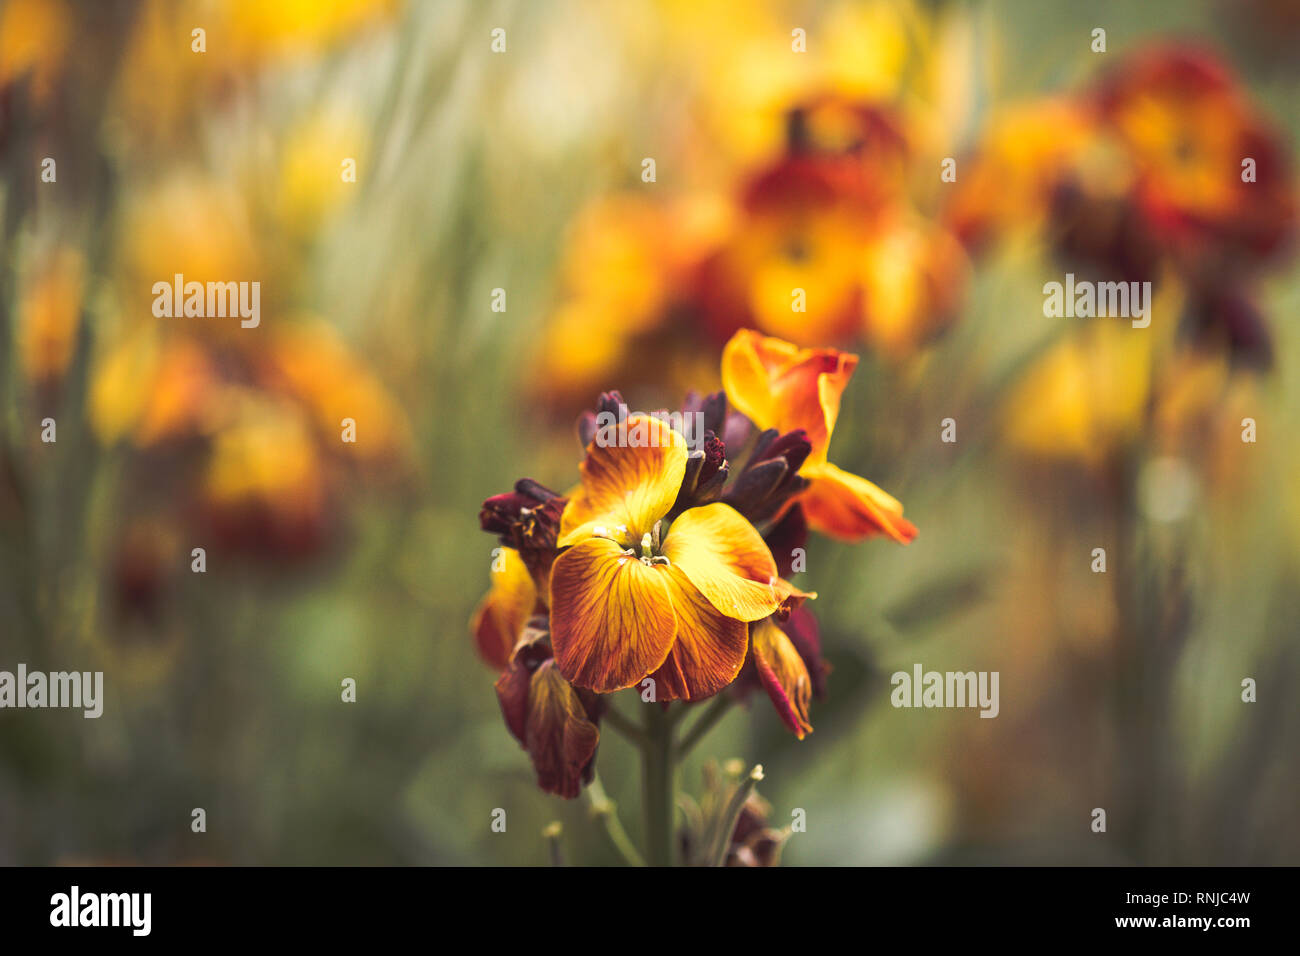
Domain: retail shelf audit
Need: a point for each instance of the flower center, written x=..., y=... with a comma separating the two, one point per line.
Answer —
x=649, y=547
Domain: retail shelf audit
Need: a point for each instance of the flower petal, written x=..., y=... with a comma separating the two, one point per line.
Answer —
x=504, y=611
x=612, y=619
x=802, y=630
x=512, y=695
x=777, y=385
x=726, y=559
x=709, y=649
x=745, y=376
x=630, y=477
x=851, y=508
x=784, y=675
x=559, y=737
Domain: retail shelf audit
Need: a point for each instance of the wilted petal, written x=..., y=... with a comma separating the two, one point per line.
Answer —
x=851, y=508
x=626, y=484
x=709, y=649
x=612, y=619
x=559, y=737
x=801, y=628
x=784, y=675
x=512, y=695
x=726, y=559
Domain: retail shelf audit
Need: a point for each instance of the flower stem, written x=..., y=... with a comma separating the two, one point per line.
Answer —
x=624, y=726
x=657, y=779
x=603, y=809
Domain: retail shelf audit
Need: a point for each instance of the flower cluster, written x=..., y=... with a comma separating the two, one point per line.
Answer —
x=1160, y=171
x=823, y=242
x=1161, y=166
x=666, y=568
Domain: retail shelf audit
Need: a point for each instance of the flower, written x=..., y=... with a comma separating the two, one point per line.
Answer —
x=49, y=314
x=628, y=256
x=1085, y=397
x=779, y=385
x=1161, y=162
x=1188, y=129
x=554, y=721
x=629, y=600
x=829, y=247
x=35, y=37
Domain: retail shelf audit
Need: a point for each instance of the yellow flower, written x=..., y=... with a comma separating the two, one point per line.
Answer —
x=1087, y=395
x=629, y=600
x=34, y=36
x=49, y=315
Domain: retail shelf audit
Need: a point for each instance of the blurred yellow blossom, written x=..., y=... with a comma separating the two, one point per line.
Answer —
x=49, y=314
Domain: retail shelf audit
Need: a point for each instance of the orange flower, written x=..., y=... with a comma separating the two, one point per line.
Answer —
x=828, y=246
x=630, y=601
x=778, y=385
x=49, y=314
x=1189, y=129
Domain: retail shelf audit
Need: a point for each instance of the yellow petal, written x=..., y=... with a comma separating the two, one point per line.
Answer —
x=630, y=478
x=709, y=648
x=502, y=614
x=745, y=378
x=777, y=385
x=726, y=559
x=612, y=619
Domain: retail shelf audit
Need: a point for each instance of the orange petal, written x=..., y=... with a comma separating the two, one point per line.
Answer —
x=726, y=560
x=630, y=478
x=502, y=614
x=612, y=619
x=709, y=649
x=784, y=675
x=558, y=736
x=777, y=385
x=850, y=508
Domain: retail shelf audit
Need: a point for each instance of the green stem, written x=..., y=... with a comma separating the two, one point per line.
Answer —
x=624, y=726
x=657, y=780
x=704, y=723
x=604, y=809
